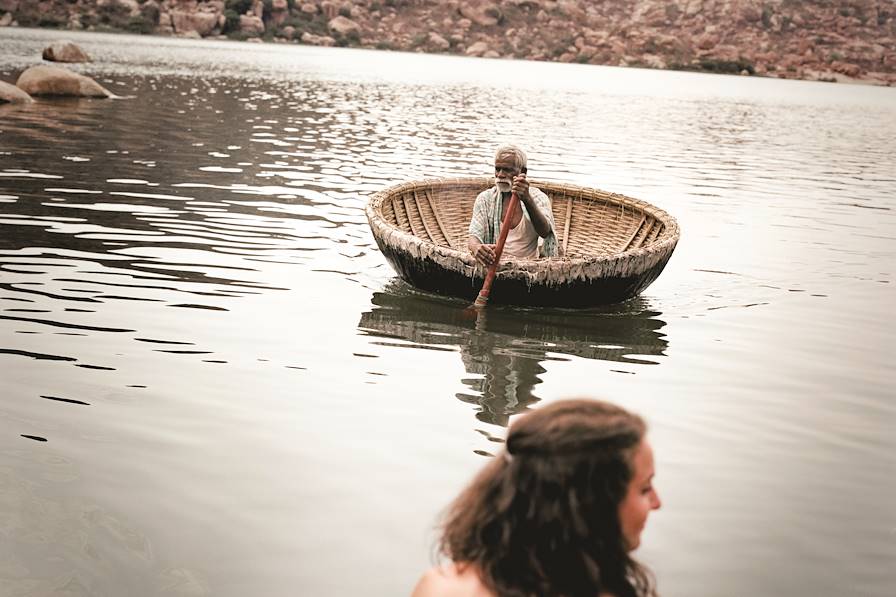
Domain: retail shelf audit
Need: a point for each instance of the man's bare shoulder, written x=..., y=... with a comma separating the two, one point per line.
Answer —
x=451, y=581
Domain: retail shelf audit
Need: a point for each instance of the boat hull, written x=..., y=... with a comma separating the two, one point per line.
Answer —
x=426, y=274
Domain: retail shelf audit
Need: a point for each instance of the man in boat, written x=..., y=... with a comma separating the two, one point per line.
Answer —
x=532, y=228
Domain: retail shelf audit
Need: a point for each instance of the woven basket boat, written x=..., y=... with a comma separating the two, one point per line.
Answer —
x=613, y=246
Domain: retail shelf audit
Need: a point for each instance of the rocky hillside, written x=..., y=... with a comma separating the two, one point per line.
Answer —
x=820, y=39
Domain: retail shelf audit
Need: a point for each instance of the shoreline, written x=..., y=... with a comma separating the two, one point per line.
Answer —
x=869, y=79
x=838, y=41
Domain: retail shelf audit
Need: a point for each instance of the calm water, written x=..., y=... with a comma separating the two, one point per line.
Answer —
x=212, y=383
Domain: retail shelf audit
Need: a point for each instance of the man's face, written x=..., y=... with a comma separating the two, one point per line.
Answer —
x=505, y=170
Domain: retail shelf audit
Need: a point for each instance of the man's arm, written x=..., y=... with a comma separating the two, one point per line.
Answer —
x=539, y=220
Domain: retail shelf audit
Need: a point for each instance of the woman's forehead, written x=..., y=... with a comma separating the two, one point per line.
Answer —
x=643, y=459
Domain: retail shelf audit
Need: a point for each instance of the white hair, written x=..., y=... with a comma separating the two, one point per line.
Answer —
x=515, y=153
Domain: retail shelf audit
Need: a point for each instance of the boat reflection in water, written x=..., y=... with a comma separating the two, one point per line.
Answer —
x=504, y=347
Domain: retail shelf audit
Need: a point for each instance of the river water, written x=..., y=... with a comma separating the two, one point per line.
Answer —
x=213, y=384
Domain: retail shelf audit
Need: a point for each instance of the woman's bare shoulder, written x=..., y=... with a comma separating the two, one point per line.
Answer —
x=451, y=581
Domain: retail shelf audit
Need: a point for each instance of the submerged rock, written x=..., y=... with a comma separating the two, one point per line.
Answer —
x=54, y=80
x=10, y=94
x=65, y=51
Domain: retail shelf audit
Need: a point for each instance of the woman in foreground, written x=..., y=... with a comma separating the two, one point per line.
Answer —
x=557, y=514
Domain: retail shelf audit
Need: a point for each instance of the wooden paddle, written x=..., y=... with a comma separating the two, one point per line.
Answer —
x=482, y=299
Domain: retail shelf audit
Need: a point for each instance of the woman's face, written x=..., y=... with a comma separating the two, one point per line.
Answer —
x=640, y=498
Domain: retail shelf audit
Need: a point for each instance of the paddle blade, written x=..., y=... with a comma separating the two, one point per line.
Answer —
x=472, y=312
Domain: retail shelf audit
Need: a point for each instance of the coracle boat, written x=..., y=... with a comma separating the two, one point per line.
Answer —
x=613, y=246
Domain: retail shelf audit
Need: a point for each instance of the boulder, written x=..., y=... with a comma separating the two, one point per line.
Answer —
x=65, y=51
x=481, y=12
x=846, y=68
x=54, y=80
x=586, y=53
x=251, y=24
x=693, y=8
x=572, y=10
x=477, y=49
x=129, y=6
x=279, y=12
x=165, y=27
x=708, y=41
x=329, y=9
x=309, y=8
x=653, y=61
x=437, y=42
x=74, y=22
x=203, y=23
x=6, y=19
x=317, y=40
x=343, y=26
x=11, y=94
x=751, y=13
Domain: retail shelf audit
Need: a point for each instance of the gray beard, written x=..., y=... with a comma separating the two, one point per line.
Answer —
x=504, y=187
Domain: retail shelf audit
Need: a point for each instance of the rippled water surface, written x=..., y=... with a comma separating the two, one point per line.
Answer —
x=213, y=384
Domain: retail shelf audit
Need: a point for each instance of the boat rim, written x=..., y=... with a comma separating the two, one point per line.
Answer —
x=397, y=238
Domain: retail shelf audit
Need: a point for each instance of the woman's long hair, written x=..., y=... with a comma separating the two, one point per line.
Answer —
x=543, y=519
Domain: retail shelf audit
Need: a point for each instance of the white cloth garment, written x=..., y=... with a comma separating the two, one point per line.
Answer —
x=522, y=240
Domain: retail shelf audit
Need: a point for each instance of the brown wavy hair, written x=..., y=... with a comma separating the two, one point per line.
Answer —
x=542, y=520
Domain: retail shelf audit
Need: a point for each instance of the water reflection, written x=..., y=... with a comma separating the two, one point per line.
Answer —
x=503, y=348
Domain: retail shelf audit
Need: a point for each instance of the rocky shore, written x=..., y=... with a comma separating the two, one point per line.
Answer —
x=829, y=40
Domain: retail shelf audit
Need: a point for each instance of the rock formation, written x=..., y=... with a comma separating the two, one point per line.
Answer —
x=65, y=51
x=821, y=39
x=54, y=80
x=10, y=94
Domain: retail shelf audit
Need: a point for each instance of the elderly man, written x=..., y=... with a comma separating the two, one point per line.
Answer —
x=535, y=221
